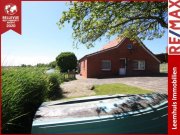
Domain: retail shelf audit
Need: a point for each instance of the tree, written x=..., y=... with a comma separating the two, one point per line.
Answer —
x=93, y=20
x=66, y=61
x=52, y=64
x=41, y=65
x=23, y=65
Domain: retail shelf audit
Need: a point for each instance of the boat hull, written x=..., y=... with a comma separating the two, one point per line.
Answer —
x=149, y=120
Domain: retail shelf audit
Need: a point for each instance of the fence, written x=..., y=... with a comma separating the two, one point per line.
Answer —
x=70, y=75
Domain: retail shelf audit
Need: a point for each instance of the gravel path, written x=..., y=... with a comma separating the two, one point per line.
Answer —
x=82, y=87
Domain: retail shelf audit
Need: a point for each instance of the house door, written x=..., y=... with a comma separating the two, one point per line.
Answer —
x=122, y=68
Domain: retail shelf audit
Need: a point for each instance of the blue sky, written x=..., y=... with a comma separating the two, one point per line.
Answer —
x=41, y=40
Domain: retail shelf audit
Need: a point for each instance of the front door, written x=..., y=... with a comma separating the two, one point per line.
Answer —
x=122, y=67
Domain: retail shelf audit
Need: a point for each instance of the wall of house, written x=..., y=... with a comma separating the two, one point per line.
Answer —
x=83, y=68
x=114, y=55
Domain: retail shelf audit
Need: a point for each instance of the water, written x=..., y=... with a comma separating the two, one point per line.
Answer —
x=50, y=71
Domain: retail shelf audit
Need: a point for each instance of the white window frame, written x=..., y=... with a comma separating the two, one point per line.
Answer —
x=139, y=62
x=105, y=69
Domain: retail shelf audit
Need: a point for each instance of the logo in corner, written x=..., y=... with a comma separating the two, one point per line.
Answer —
x=10, y=9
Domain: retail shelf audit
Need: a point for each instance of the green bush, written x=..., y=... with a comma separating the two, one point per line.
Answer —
x=52, y=64
x=66, y=61
x=54, y=90
x=23, y=90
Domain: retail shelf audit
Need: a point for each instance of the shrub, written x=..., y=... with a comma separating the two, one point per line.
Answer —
x=52, y=64
x=42, y=65
x=23, y=90
x=54, y=90
x=66, y=61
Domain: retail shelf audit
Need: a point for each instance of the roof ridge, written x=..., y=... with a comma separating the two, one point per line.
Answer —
x=113, y=43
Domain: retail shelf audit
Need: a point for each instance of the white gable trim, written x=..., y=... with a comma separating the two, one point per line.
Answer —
x=143, y=46
x=149, y=51
x=152, y=55
x=107, y=49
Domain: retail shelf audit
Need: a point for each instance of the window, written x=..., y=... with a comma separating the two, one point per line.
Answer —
x=106, y=65
x=138, y=65
x=129, y=46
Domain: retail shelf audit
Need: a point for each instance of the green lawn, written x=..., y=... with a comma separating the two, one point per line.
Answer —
x=117, y=88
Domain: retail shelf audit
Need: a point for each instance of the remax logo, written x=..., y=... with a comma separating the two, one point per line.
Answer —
x=174, y=27
x=10, y=9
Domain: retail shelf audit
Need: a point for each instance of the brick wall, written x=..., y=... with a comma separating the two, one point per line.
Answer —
x=83, y=68
x=93, y=63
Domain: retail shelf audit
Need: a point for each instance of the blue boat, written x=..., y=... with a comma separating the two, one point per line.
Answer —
x=122, y=114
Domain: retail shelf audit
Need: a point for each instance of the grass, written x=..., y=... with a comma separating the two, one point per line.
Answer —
x=117, y=88
x=23, y=90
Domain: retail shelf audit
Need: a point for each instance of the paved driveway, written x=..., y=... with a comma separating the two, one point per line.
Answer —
x=82, y=87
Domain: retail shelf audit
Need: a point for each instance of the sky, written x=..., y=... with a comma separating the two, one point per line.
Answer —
x=42, y=41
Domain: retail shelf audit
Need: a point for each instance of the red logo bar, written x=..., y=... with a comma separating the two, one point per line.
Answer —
x=173, y=94
x=10, y=15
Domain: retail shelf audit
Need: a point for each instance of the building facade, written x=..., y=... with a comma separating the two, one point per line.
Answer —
x=120, y=57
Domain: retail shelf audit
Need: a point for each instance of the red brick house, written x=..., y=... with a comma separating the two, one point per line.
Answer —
x=119, y=57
